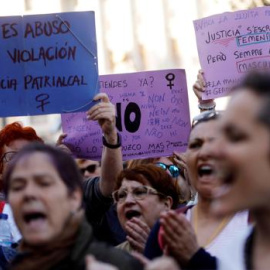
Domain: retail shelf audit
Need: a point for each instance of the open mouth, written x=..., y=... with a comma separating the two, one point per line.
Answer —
x=33, y=217
x=132, y=213
x=205, y=170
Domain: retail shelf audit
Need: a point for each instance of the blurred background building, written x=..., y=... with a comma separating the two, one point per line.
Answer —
x=133, y=35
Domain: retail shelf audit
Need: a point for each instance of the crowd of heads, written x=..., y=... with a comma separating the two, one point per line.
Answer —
x=228, y=154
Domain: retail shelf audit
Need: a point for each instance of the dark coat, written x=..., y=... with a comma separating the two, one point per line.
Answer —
x=86, y=245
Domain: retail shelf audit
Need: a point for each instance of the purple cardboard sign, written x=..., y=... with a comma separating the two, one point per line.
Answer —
x=231, y=44
x=152, y=116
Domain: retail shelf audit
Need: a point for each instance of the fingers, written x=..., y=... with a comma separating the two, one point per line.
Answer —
x=175, y=227
x=136, y=245
x=140, y=224
x=200, y=78
x=99, y=109
x=179, y=236
x=60, y=144
x=61, y=138
x=102, y=97
x=138, y=232
x=172, y=224
x=200, y=85
x=180, y=164
x=102, y=113
x=180, y=156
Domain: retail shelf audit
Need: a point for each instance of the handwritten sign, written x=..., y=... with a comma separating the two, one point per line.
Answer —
x=231, y=44
x=152, y=116
x=48, y=63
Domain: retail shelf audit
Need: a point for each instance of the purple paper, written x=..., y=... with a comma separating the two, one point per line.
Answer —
x=152, y=116
x=231, y=44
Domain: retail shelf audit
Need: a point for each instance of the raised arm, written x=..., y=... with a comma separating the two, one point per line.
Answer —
x=111, y=162
x=198, y=89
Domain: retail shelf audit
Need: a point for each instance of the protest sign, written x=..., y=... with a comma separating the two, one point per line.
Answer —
x=48, y=63
x=152, y=116
x=231, y=44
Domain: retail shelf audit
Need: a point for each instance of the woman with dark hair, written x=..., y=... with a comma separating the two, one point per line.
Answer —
x=192, y=234
x=44, y=189
x=243, y=153
x=142, y=194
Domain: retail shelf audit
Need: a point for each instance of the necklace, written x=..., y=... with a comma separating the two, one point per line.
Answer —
x=216, y=232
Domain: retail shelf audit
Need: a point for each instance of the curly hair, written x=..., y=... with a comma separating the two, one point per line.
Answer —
x=155, y=176
x=15, y=131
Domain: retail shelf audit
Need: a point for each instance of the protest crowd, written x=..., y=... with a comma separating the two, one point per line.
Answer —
x=202, y=208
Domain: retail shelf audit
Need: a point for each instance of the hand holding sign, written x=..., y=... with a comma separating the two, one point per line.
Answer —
x=199, y=88
x=231, y=44
x=199, y=85
x=152, y=116
x=104, y=113
x=49, y=63
x=60, y=144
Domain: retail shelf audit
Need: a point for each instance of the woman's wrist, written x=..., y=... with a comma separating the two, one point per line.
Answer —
x=207, y=105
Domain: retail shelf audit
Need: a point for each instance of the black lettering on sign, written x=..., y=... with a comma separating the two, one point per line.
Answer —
x=153, y=133
x=222, y=34
x=9, y=30
x=133, y=147
x=113, y=84
x=52, y=81
x=46, y=28
x=42, y=99
x=131, y=125
x=156, y=146
x=170, y=77
x=118, y=117
x=216, y=58
x=8, y=84
x=43, y=54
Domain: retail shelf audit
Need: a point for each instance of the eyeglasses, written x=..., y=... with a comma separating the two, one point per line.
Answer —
x=8, y=156
x=205, y=116
x=173, y=169
x=138, y=193
x=91, y=169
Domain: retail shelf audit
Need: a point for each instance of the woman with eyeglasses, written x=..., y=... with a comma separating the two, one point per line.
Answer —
x=142, y=194
x=195, y=233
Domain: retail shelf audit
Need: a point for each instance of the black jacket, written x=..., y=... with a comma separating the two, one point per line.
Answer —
x=86, y=245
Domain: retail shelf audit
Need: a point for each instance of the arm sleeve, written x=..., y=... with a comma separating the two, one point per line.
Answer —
x=152, y=249
x=202, y=260
x=96, y=205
